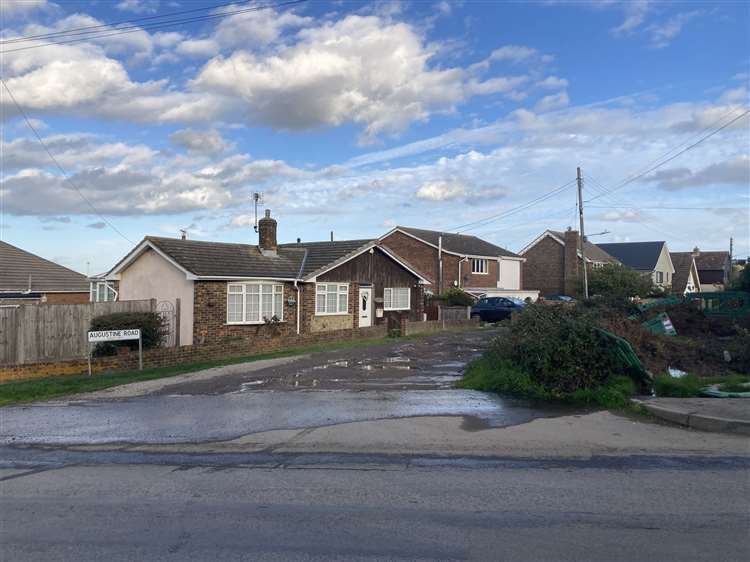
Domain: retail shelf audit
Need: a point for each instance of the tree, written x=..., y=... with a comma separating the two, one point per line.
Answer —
x=619, y=282
x=742, y=281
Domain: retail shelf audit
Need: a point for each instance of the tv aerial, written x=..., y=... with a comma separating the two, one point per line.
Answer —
x=257, y=200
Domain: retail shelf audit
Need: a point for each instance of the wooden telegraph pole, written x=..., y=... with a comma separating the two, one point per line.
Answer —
x=582, y=236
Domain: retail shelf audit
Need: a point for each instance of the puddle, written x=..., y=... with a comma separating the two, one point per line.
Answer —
x=246, y=386
x=397, y=359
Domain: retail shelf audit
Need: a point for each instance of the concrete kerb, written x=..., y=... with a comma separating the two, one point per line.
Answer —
x=696, y=420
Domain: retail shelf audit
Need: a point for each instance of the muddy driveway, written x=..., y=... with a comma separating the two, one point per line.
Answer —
x=431, y=363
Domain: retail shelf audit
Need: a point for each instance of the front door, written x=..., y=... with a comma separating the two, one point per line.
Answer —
x=365, y=307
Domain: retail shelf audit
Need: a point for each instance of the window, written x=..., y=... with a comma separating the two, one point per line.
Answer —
x=397, y=298
x=101, y=291
x=660, y=277
x=331, y=298
x=254, y=303
x=479, y=266
x=597, y=265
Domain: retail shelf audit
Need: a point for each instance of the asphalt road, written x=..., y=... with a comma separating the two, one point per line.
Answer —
x=383, y=508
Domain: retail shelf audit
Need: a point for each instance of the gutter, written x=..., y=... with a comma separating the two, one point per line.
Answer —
x=299, y=289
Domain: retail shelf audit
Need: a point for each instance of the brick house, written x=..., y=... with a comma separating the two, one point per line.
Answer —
x=457, y=260
x=713, y=269
x=553, y=262
x=26, y=278
x=226, y=291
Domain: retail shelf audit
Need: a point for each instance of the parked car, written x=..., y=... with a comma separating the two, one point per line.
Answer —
x=494, y=309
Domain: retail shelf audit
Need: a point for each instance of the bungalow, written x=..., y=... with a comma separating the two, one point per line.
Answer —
x=26, y=278
x=648, y=258
x=458, y=260
x=685, y=279
x=713, y=269
x=553, y=262
x=225, y=290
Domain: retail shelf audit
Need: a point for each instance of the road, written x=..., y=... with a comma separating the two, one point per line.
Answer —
x=379, y=508
x=363, y=454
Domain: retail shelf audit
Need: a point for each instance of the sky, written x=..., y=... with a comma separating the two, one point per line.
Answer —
x=354, y=117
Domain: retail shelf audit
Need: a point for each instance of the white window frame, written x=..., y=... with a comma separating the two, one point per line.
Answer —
x=322, y=289
x=388, y=298
x=96, y=286
x=276, y=289
x=483, y=269
x=659, y=277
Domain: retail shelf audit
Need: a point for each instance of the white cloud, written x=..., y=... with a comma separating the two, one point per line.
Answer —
x=735, y=171
x=553, y=83
x=358, y=69
x=554, y=101
x=635, y=15
x=206, y=142
x=255, y=29
x=201, y=48
x=513, y=53
x=138, y=6
x=14, y=7
x=441, y=190
x=663, y=34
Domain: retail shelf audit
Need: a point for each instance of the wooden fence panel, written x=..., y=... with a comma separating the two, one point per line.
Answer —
x=53, y=332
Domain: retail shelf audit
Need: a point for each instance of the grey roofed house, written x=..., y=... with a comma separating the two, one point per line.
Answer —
x=713, y=267
x=593, y=251
x=642, y=256
x=685, y=279
x=22, y=271
x=225, y=260
x=458, y=243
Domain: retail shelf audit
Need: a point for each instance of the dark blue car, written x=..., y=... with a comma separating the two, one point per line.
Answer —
x=494, y=309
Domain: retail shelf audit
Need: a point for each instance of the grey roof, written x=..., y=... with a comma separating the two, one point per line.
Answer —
x=593, y=252
x=642, y=256
x=223, y=259
x=459, y=243
x=682, y=262
x=712, y=260
x=46, y=277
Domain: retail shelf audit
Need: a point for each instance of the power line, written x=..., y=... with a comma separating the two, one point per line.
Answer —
x=487, y=220
x=89, y=36
x=684, y=150
x=662, y=208
x=59, y=166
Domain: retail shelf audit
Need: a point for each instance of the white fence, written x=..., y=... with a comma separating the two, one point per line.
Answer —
x=53, y=332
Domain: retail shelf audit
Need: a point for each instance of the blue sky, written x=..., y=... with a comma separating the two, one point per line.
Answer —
x=355, y=117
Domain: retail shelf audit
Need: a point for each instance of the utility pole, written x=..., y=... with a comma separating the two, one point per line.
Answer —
x=582, y=237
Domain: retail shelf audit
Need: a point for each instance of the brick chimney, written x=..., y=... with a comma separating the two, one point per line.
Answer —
x=267, y=235
x=572, y=282
x=696, y=252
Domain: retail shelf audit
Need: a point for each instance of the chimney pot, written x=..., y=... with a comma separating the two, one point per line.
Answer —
x=267, y=234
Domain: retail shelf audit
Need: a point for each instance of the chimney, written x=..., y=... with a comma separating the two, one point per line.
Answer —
x=267, y=235
x=696, y=252
x=571, y=264
x=183, y=234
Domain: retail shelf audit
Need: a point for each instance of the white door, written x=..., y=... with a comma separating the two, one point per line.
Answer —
x=365, y=307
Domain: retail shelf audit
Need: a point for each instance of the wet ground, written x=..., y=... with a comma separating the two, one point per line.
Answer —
x=402, y=379
x=432, y=363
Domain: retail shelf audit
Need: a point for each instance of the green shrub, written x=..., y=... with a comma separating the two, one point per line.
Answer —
x=150, y=324
x=561, y=348
x=491, y=373
x=683, y=387
x=456, y=297
x=742, y=281
x=619, y=282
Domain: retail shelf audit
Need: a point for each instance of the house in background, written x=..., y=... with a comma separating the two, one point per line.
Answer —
x=458, y=260
x=228, y=291
x=26, y=278
x=713, y=269
x=648, y=258
x=553, y=262
x=685, y=279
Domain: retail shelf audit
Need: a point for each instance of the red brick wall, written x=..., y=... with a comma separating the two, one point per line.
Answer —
x=544, y=268
x=67, y=298
x=163, y=357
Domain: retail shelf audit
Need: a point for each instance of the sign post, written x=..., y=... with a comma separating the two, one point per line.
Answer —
x=117, y=335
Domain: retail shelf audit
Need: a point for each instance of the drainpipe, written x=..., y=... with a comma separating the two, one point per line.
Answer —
x=299, y=299
x=440, y=264
x=459, y=272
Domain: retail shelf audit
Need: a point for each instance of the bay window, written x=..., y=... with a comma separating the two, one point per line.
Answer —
x=254, y=303
x=397, y=298
x=101, y=291
x=331, y=298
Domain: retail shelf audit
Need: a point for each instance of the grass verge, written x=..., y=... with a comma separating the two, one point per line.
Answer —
x=690, y=385
x=493, y=374
x=63, y=385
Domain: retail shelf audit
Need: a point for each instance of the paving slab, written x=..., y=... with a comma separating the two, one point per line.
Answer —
x=729, y=415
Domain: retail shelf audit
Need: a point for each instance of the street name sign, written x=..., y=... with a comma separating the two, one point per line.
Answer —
x=114, y=335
